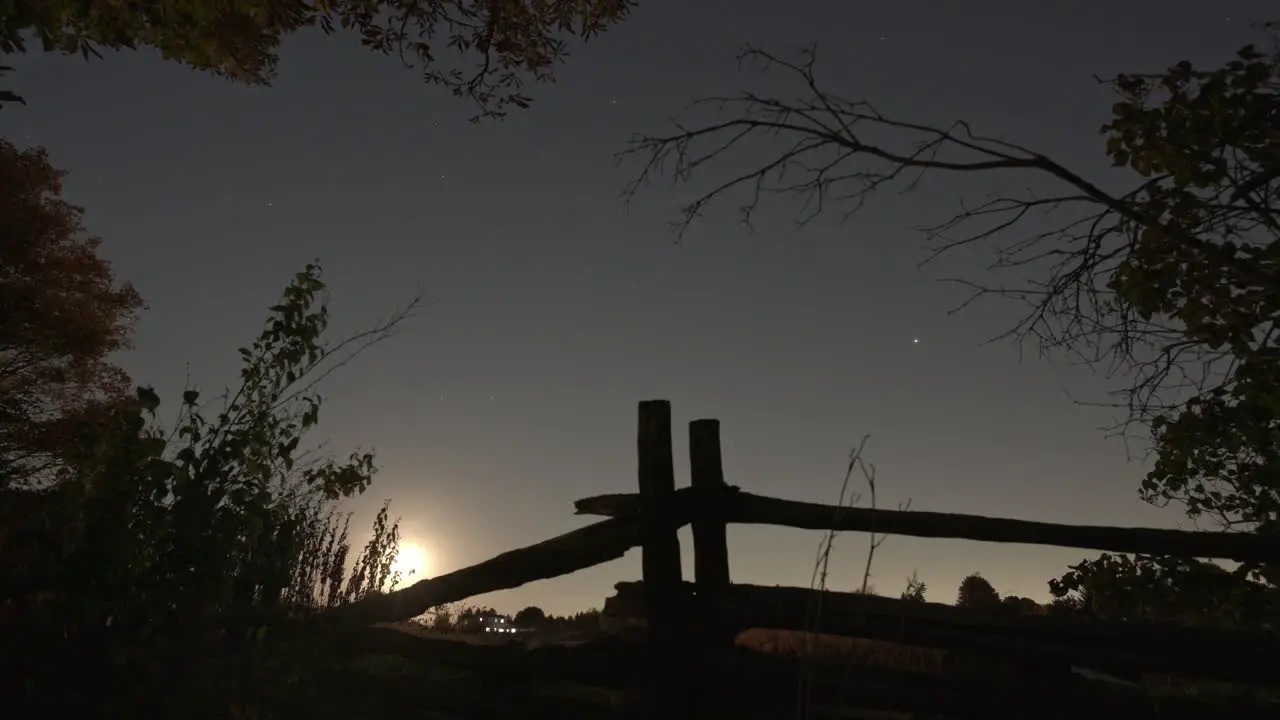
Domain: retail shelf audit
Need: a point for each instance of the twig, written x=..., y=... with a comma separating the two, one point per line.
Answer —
x=818, y=580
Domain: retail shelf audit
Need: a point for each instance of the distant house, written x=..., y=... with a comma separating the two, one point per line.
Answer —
x=498, y=624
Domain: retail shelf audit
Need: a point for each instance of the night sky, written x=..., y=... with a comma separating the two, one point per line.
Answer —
x=555, y=307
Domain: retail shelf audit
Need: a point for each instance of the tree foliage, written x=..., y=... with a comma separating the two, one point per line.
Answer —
x=1166, y=589
x=62, y=315
x=1017, y=605
x=531, y=617
x=976, y=592
x=500, y=46
x=1171, y=281
x=1204, y=257
x=139, y=575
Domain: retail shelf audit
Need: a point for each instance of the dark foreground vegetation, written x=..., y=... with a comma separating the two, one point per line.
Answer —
x=184, y=557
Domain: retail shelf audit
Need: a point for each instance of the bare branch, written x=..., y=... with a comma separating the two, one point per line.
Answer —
x=1071, y=240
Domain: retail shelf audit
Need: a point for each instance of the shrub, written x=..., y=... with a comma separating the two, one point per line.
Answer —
x=146, y=576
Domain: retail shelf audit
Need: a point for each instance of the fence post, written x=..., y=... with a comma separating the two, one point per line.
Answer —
x=661, y=551
x=710, y=541
x=710, y=544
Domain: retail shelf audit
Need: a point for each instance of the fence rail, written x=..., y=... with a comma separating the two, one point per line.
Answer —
x=739, y=507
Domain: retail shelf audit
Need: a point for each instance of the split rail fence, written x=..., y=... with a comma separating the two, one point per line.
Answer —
x=690, y=625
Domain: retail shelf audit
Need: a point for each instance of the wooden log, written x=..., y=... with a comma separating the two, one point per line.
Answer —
x=661, y=559
x=666, y=694
x=1248, y=657
x=748, y=508
x=710, y=541
x=561, y=555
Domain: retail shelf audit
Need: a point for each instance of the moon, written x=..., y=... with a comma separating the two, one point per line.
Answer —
x=410, y=562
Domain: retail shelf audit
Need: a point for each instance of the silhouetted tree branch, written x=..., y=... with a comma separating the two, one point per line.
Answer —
x=1173, y=280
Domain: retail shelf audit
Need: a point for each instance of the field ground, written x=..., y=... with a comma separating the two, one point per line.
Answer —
x=604, y=675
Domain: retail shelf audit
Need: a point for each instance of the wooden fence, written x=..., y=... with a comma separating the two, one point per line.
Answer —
x=689, y=622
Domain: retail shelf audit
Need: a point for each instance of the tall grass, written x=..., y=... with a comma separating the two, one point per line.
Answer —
x=809, y=646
